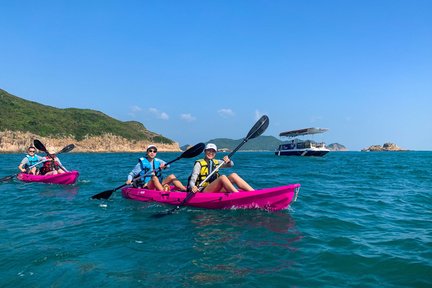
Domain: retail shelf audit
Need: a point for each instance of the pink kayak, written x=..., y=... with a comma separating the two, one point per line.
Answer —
x=64, y=178
x=272, y=199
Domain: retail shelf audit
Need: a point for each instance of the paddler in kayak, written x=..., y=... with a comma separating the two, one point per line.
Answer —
x=31, y=159
x=216, y=183
x=150, y=168
x=52, y=164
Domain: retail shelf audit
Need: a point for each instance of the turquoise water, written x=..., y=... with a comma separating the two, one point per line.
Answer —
x=361, y=220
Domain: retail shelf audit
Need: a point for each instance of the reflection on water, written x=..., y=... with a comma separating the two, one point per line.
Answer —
x=64, y=191
x=221, y=240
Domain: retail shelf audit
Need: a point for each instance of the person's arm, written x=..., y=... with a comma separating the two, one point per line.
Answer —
x=162, y=164
x=60, y=164
x=194, y=176
x=228, y=163
x=135, y=171
x=22, y=164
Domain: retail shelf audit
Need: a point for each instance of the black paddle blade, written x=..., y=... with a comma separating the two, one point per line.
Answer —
x=7, y=178
x=39, y=145
x=66, y=149
x=103, y=195
x=259, y=127
x=193, y=151
x=107, y=194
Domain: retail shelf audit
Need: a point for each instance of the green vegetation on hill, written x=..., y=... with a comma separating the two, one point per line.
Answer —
x=17, y=114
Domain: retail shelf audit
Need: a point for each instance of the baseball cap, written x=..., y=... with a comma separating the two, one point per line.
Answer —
x=210, y=146
x=151, y=146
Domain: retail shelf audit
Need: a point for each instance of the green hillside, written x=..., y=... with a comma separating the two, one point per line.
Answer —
x=17, y=114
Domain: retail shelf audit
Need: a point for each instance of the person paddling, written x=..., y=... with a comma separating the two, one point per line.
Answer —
x=31, y=159
x=52, y=164
x=150, y=168
x=216, y=183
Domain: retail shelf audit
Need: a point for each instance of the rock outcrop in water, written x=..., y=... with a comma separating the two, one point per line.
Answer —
x=13, y=141
x=385, y=147
x=336, y=147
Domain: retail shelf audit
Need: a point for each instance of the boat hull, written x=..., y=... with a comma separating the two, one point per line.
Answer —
x=66, y=178
x=272, y=199
x=302, y=152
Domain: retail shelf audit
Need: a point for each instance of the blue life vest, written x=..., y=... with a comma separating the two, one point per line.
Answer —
x=146, y=166
x=32, y=160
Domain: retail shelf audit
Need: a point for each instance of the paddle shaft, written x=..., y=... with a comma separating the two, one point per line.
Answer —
x=13, y=175
x=107, y=194
x=255, y=131
x=220, y=165
x=41, y=147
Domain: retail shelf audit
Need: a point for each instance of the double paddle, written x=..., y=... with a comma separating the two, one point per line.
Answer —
x=40, y=147
x=189, y=153
x=259, y=128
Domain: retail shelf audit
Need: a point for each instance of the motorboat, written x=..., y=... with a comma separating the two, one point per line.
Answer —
x=297, y=147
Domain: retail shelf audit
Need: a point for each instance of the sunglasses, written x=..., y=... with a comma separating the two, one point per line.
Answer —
x=31, y=151
x=152, y=151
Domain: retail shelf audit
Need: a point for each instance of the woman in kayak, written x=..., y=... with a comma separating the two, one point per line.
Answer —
x=150, y=168
x=52, y=164
x=216, y=183
x=30, y=161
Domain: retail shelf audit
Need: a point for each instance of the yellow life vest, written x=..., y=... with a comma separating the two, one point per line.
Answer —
x=204, y=172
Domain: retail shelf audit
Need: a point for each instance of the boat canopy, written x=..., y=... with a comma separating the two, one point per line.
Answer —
x=301, y=132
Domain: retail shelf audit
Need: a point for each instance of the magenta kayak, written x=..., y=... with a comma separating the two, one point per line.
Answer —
x=64, y=178
x=276, y=198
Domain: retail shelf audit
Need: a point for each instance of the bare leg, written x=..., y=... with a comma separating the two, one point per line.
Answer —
x=53, y=172
x=242, y=184
x=154, y=184
x=172, y=179
x=221, y=184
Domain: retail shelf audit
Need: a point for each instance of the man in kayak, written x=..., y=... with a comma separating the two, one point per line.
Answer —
x=150, y=168
x=216, y=183
x=30, y=160
x=52, y=164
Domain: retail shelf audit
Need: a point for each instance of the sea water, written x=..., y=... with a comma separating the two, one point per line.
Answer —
x=360, y=220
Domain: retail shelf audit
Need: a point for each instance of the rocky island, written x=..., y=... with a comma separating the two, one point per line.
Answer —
x=385, y=147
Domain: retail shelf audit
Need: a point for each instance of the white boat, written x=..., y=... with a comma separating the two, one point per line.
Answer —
x=297, y=147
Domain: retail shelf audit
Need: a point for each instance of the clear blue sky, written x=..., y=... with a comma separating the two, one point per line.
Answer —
x=197, y=70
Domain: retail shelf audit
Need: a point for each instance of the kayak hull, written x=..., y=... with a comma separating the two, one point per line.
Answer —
x=272, y=199
x=66, y=178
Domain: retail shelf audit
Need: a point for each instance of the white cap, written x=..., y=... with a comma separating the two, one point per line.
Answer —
x=151, y=146
x=211, y=146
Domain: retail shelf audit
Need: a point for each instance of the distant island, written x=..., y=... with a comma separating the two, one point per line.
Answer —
x=336, y=147
x=385, y=147
x=22, y=121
